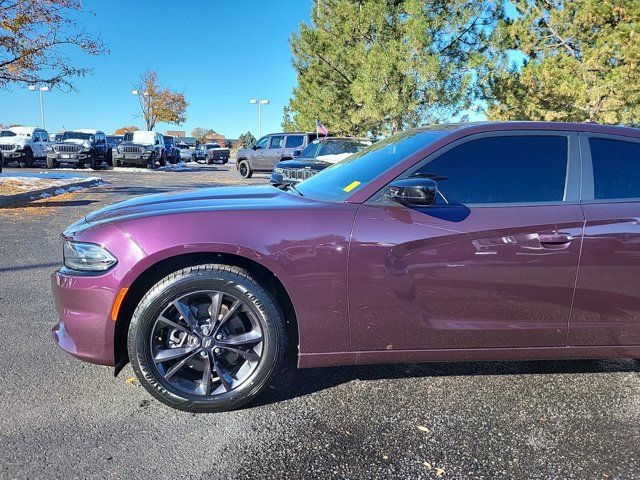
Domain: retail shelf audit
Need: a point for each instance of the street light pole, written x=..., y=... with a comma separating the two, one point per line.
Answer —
x=141, y=96
x=33, y=88
x=255, y=101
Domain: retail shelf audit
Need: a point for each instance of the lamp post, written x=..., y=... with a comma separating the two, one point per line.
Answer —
x=255, y=101
x=34, y=88
x=141, y=95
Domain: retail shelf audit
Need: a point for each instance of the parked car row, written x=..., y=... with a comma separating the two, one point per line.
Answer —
x=89, y=147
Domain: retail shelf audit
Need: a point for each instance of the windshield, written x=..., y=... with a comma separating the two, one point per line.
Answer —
x=337, y=147
x=76, y=136
x=7, y=133
x=338, y=182
x=113, y=140
x=168, y=139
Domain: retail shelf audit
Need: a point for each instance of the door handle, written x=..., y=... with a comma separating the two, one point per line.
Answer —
x=558, y=238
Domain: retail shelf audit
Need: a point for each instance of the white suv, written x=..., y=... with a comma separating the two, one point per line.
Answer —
x=24, y=145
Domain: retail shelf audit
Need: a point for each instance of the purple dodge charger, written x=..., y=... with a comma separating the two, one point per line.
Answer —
x=503, y=241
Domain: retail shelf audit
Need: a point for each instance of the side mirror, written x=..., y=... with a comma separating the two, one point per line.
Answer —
x=413, y=191
x=296, y=153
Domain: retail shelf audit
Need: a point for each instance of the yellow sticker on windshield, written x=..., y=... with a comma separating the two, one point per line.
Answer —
x=351, y=186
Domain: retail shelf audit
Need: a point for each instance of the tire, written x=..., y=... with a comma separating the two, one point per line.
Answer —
x=116, y=162
x=152, y=161
x=94, y=163
x=163, y=159
x=1, y=162
x=27, y=161
x=244, y=169
x=52, y=163
x=146, y=331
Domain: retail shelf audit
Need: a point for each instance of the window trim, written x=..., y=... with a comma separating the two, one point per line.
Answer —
x=573, y=174
x=588, y=180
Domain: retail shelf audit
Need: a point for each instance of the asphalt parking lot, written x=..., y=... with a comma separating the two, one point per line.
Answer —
x=65, y=418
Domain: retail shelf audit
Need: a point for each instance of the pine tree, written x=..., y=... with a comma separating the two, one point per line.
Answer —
x=379, y=66
x=581, y=62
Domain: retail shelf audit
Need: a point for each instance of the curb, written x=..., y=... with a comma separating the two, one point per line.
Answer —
x=31, y=195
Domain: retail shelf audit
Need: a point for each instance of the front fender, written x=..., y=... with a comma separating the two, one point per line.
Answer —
x=306, y=249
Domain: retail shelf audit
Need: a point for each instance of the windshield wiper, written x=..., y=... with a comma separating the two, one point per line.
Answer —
x=291, y=187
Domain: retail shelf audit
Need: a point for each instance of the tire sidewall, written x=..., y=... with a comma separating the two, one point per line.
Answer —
x=244, y=165
x=157, y=300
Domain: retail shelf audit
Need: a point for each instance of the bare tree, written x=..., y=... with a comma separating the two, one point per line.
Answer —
x=158, y=103
x=35, y=37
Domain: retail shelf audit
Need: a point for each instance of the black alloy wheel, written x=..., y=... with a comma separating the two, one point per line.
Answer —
x=207, y=338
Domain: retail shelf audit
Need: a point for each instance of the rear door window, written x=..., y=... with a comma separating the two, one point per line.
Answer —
x=294, y=141
x=616, y=168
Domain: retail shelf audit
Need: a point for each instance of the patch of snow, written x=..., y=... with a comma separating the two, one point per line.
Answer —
x=178, y=167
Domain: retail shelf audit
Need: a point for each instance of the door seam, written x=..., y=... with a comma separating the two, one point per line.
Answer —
x=575, y=283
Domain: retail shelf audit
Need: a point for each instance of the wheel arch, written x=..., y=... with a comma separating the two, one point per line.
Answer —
x=163, y=267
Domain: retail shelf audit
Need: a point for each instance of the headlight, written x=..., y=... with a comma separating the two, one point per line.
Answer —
x=278, y=170
x=87, y=257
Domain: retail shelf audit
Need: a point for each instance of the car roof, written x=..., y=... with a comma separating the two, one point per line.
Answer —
x=24, y=130
x=357, y=139
x=479, y=127
x=90, y=131
x=290, y=133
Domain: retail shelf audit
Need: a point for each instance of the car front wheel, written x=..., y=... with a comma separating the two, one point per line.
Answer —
x=27, y=160
x=152, y=161
x=207, y=338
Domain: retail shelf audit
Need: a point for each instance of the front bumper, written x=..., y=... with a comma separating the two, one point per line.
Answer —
x=141, y=159
x=84, y=302
x=223, y=157
x=69, y=157
x=13, y=155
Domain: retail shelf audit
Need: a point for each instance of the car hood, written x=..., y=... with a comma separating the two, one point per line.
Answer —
x=314, y=163
x=12, y=140
x=199, y=200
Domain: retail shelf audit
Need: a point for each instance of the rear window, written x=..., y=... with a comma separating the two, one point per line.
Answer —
x=616, y=168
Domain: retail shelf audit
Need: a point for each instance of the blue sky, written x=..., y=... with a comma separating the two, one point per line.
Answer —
x=219, y=53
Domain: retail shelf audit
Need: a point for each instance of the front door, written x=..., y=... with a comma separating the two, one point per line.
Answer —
x=273, y=153
x=492, y=264
x=607, y=302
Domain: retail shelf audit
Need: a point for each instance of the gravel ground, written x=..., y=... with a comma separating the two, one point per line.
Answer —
x=65, y=418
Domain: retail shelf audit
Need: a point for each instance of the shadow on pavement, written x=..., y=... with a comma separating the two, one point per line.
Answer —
x=297, y=383
x=30, y=267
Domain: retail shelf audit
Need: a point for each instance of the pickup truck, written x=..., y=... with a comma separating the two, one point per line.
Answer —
x=214, y=153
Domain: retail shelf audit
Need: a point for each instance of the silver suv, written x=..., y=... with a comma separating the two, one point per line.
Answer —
x=270, y=150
